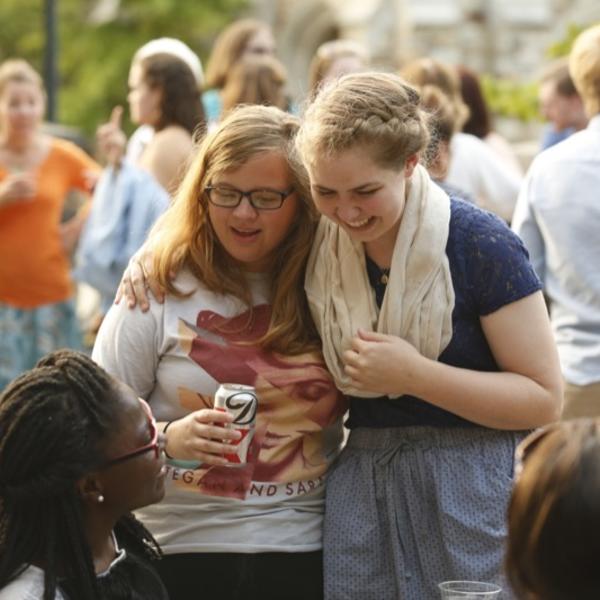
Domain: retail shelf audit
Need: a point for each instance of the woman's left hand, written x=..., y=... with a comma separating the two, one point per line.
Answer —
x=382, y=363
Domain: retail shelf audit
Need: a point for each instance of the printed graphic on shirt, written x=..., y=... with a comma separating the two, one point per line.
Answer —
x=299, y=407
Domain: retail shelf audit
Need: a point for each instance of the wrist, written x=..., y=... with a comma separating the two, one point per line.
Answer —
x=420, y=370
x=168, y=450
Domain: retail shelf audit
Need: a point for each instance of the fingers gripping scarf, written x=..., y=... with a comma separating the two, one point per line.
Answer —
x=419, y=298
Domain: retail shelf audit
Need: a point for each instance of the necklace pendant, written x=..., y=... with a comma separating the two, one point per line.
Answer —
x=384, y=278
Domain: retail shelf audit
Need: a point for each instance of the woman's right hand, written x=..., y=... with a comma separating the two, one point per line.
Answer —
x=17, y=187
x=202, y=436
x=137, y=279
x=111, y=139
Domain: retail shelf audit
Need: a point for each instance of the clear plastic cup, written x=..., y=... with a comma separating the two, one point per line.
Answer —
x=469, y=590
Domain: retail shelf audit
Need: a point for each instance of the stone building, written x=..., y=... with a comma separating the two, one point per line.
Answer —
x=501, y=37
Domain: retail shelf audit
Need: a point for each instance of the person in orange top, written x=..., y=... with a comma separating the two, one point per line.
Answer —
x=36, y=174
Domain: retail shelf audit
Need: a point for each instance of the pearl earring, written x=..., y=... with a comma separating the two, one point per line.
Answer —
x=100, y=498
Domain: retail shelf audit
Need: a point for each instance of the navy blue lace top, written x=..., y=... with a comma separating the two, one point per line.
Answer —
x=490, y=268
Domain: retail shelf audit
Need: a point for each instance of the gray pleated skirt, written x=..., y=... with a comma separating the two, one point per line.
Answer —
x=408, y=508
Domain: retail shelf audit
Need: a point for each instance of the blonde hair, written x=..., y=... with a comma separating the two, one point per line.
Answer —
x=584, y=66
x=327, y=54
x=443, y=121
x=20, y=71
x=229, y=47
x=427, y=71
x=255, y=80
x=378, y=110
x=554, y=513
x=184, y=236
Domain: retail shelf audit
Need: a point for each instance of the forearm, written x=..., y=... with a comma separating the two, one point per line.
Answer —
x=500, y=400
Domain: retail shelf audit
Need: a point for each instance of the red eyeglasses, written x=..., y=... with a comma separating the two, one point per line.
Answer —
x=153, y=445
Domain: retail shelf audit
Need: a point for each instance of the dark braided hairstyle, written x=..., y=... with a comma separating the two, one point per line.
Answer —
x=54, y=421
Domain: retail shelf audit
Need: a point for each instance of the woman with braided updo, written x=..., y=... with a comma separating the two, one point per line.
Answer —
x=78, y=452
x=433, y=323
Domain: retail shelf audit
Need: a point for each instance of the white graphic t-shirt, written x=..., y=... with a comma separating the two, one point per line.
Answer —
x=176, y=355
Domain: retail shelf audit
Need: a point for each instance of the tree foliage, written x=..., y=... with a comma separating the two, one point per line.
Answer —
x=94, y=56
x=519, y=100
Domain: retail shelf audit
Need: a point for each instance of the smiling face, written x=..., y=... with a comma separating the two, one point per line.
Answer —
x=250, y=236
x=139, y=480
x=144, y=100
x=366, y=200
x=21, y=108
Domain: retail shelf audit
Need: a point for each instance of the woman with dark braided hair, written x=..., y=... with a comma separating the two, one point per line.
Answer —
x=78, y=452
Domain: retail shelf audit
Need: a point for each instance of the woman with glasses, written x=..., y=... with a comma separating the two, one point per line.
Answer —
x=554, y=514
x=78, y=452
x=231, y=253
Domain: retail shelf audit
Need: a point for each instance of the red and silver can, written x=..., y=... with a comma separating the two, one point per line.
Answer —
x=241, y=401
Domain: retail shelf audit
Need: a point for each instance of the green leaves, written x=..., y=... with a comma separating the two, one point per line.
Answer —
x=94, y=58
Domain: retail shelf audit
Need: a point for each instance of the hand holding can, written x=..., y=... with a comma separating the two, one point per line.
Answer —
x=241, y=402
x=202, y=437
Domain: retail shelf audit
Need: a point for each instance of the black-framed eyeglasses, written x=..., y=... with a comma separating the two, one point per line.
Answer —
x=153, y=445
x=260, y=199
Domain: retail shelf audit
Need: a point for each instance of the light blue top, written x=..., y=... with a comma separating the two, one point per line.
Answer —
x=213, y=105
x=558, y=217
x=125, y=205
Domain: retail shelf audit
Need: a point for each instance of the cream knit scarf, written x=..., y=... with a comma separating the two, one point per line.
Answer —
x=419, y=298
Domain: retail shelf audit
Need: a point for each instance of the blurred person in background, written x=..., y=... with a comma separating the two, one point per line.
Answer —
x=37, y=173
x=130, y=196
x=244, y=37
x=560, y=104
x=554, y=514
x=474, y=167
x=164, y=95
x=256, y=79
x=479, y=121
x=165, y=45
x=334, y=59
x=558, y=218
x=443, y=125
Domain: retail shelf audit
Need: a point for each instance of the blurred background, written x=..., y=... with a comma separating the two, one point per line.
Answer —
x=84, y=47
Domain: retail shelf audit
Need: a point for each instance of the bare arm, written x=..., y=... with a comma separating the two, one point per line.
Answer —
x=166, y=156
x=526, y=393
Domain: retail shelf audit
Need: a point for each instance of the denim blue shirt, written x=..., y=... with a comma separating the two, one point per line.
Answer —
x=124, y=207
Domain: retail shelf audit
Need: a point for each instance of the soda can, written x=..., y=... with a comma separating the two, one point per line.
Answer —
x=241, y=401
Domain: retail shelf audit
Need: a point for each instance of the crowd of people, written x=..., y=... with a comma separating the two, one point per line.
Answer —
x=409, y=307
